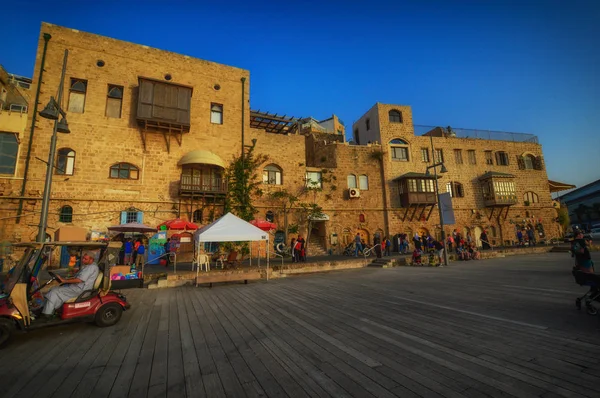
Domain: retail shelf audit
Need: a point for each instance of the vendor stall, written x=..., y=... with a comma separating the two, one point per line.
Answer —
x=229, y=228
x=126, y=276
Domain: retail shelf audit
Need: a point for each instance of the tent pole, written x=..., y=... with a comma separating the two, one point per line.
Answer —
x=250, y=254
x=267, y=251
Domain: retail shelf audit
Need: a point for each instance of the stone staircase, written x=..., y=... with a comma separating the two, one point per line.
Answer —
x=384, y=262
x=315, y=248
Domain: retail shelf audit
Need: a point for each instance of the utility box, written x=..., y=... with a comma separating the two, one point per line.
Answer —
x=70, y=234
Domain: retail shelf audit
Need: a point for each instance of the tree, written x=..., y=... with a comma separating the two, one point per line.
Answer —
x=285, y=200
x=243, y=183
x=563, y=218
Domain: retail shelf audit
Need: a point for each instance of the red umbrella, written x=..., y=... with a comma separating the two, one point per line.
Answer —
x=178, y=223
x=264, y=225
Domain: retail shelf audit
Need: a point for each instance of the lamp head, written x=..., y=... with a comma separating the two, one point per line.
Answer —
x=62, y=126
x=50, y=111
x=427, y=173
x=443, y=169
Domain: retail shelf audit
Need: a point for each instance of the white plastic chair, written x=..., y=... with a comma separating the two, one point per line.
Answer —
x=203, y=262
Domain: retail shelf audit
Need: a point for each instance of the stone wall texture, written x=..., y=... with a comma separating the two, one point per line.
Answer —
x=100, y=141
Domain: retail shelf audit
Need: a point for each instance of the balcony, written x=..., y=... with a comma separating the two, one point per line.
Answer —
x=416, y=189
x=475, y=134
x=201, y=186
x=495, y=199
x=202, y=174
x=498, y=189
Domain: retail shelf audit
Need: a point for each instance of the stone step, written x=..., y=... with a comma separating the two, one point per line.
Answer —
x=153, y=286
x=163, y=282
x=384, y=263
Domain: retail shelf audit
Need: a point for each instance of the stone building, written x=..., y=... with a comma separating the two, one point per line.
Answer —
x=152, y=133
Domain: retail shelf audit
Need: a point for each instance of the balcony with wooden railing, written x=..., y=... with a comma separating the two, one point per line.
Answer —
x=202, y=186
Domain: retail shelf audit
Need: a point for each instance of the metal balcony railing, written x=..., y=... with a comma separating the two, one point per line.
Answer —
x=478, y=134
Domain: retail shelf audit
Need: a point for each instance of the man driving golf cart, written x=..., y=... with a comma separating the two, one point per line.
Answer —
x=71, y=287
x=86, y=297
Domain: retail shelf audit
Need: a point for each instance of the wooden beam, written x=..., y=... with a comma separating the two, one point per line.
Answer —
x=405, y=213
x=430, y=211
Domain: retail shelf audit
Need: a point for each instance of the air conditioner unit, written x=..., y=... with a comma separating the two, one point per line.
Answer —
x=354, y=193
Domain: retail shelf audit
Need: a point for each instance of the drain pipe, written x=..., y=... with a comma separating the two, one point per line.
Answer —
x=243, y=80
x=47, y=38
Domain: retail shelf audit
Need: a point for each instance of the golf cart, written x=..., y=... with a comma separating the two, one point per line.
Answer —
x=21, y=293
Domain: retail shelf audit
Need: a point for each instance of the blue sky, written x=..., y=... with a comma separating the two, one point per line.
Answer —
x=519, y=66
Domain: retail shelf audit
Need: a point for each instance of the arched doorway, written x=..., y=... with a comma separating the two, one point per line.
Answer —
x=347, y=237
x=477, y=236
x=364, y=235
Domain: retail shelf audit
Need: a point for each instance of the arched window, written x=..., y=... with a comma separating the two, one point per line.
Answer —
x=363, y=182
x=351, y=181
x=272, y=175
x=528, y=162
x=66, y=214
x=124, y=171
x=114, y=100
x=65, y=162
x=77, y=93
x=395, y=116
x=197, y=216
x=270, y=216
x=455, y=189
x=531, y=197
x=399, y=150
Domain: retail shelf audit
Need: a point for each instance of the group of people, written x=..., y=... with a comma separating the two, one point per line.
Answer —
x=298, y=249
x=134, y=253
x=526, y=235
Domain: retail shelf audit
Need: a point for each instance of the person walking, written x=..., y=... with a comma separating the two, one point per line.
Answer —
x=531, y=236
x=388, y=246
x=357, y=245
x=141, y=255
x=520, y=237
x=485, y=244
x=383, y=243
x=128, y=252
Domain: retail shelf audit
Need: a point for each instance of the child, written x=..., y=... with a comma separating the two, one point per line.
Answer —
x=416, y=257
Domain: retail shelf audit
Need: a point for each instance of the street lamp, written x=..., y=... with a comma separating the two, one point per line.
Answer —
x=52, y=112
x=437, y=194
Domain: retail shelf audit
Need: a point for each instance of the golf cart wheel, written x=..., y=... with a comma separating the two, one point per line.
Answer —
x=578, y=303
x=109, y=315
x=591, y=310
x=7, y=327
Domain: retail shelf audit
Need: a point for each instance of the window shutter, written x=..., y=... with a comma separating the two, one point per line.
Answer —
x=521, y=162
x=123, y=217
x=140, y=217
x=497, y=158
x=538, y=163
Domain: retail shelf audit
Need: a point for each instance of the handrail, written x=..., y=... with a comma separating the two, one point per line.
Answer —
x=491, y=246
x=163, y=255
x=365, y=252
x=278, y=255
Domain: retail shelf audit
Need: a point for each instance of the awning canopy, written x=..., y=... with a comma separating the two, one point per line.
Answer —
x=201, y=157
x=229, y=228
x=556, y=186
x=497, y=174
x=416, y=175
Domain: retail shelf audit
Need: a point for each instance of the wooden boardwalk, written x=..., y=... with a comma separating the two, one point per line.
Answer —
x=496, y=328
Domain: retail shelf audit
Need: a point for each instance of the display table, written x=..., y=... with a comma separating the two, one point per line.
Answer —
x=125, y=283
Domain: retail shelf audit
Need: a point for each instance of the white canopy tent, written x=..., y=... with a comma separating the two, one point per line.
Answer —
x=230, y=228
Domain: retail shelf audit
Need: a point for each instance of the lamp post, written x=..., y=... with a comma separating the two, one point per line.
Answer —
x=52, y=111
x=437, y=195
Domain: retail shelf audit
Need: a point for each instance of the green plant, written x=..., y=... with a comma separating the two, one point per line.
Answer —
x=243, y=183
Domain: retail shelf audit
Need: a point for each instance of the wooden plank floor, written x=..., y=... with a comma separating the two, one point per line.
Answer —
x=495, y=328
